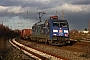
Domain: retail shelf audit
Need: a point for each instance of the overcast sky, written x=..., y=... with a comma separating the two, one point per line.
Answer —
x=20, y=14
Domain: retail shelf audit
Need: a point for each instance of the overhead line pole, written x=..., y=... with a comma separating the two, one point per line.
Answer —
x=62, y=15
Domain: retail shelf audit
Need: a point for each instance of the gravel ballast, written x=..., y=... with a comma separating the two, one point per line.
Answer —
x=57, y=51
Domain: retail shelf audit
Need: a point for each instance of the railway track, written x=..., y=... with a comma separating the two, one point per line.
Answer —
x=72, y=51
x=36, y=53
x=74, y=47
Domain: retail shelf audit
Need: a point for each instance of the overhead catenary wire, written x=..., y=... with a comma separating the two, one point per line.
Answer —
x=12, y=13
x=15, y=10
x=19, y=11
x=58, y=5
x=54, y=6
x=51, y=7
x=45, y=5
x=23, y=7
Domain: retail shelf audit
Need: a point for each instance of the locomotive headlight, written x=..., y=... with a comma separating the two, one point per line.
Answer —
x=66, y=35
x=65, y=31
x=55, y=30
x=54, y=34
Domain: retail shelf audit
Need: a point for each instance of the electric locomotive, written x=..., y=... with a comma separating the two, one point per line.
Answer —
x=52, y=31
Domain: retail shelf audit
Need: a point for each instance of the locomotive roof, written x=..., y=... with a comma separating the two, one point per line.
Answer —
x=56, y=20
x=43, y=22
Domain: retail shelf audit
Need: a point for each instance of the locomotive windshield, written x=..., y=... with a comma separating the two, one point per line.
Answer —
x=60, y=24
x=56, y=24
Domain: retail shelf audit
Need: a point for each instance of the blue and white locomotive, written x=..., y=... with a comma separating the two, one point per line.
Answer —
x=52, y=31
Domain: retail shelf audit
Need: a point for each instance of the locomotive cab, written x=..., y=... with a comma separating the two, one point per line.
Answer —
x=60, y=33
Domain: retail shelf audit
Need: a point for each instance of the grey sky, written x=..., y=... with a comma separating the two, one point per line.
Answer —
x=77, y=12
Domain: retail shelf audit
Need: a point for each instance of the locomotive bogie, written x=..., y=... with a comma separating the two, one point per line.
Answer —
x=61, y=41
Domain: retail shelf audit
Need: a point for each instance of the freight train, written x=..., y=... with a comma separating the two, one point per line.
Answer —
x=53, y=31
x=25, y=33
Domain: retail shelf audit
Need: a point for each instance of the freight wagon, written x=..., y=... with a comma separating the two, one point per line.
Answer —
x=26, y=33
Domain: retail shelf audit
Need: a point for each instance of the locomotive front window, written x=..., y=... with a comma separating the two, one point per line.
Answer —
x=63, y=24
x=56, y=24
x=60, y=24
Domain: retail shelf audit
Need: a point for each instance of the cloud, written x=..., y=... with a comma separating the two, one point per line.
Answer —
x=76, y=10
x=73, y=8
x=2, y=8
x=43, y=0
x=15, y=9
x=81, y=2
x=16, y=22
